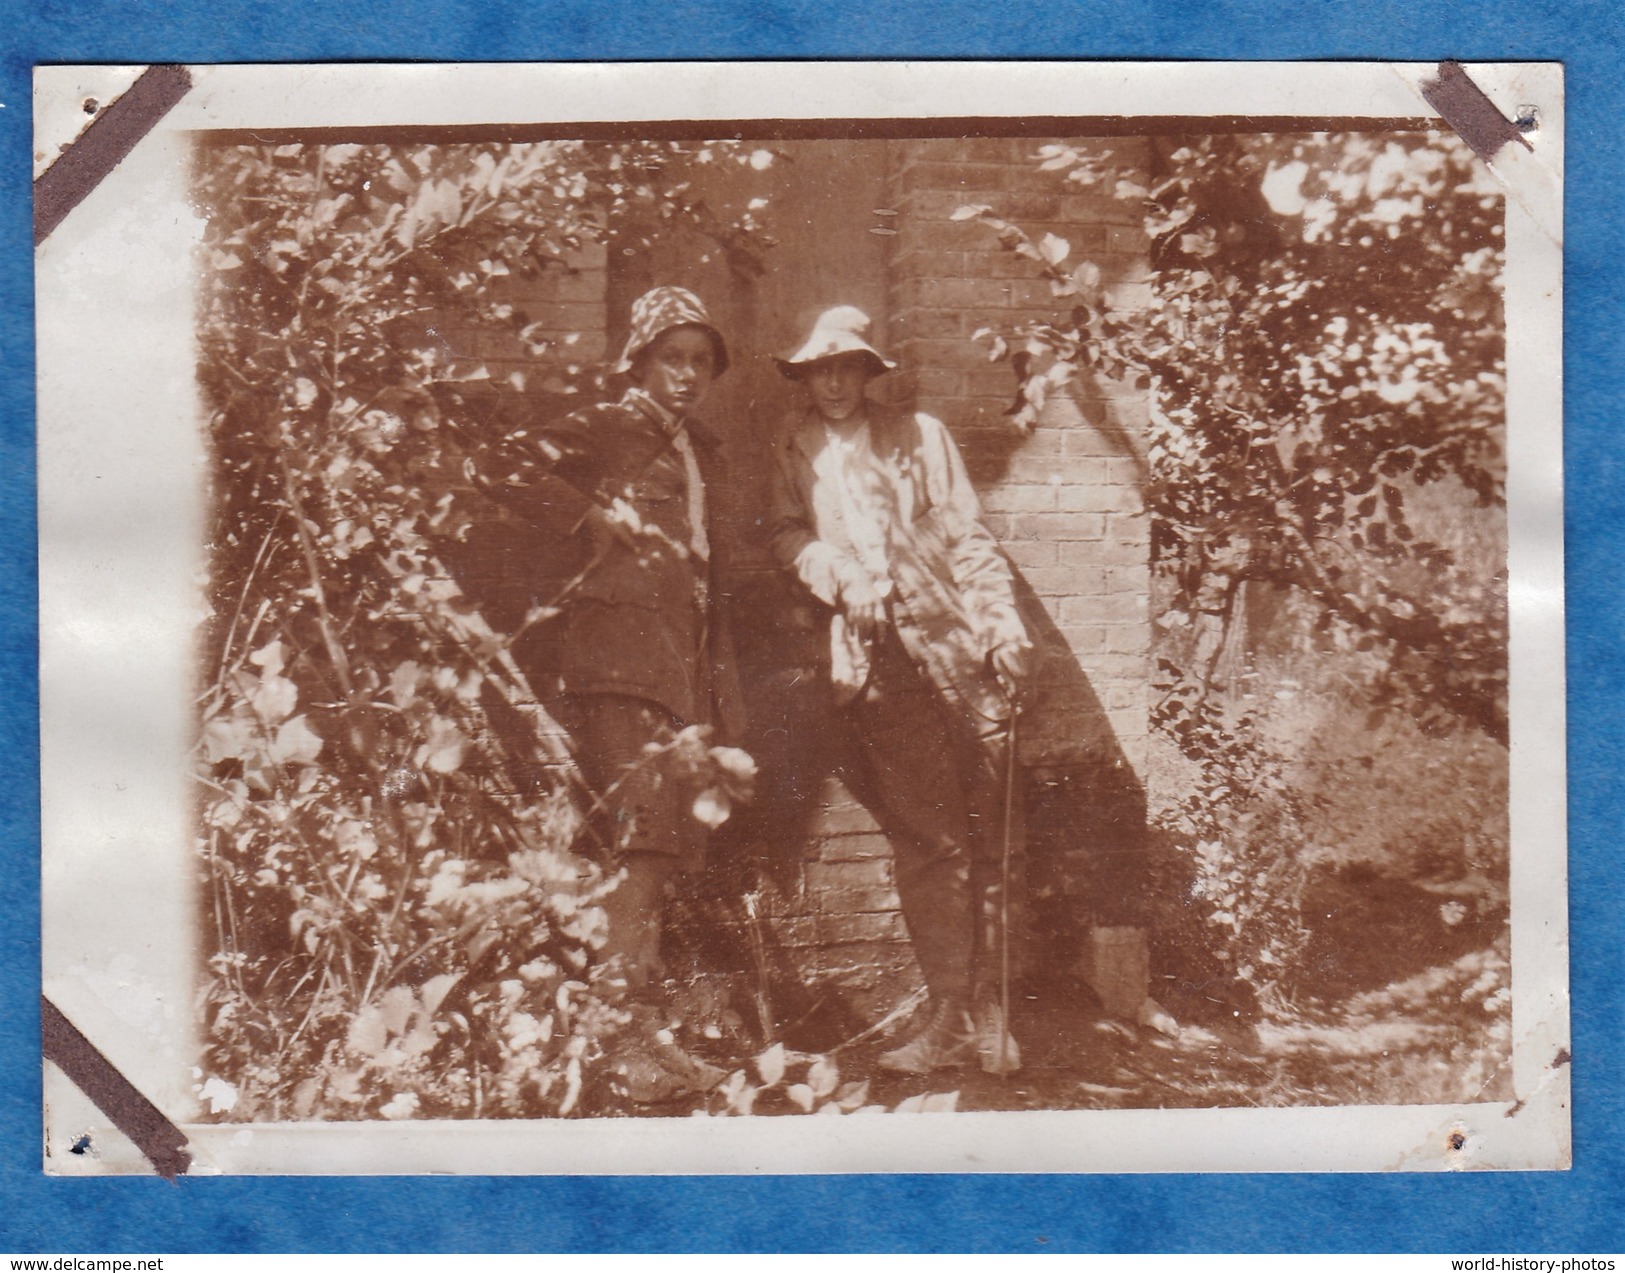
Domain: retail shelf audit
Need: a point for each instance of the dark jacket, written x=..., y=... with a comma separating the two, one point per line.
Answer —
x=645, y=621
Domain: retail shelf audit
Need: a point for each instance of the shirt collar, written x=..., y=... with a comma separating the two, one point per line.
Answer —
x=856, y=436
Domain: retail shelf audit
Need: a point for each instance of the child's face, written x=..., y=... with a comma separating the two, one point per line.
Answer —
x=836, y=385
x=678, y=368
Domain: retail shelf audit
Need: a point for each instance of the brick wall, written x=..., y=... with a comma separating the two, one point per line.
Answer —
x=565, y=299
x=838, y=919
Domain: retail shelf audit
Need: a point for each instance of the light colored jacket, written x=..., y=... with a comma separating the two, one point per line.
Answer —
x=951, y=599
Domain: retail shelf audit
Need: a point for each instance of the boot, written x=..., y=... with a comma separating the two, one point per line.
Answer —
x=637, y=1074
x=698, y=1075
x=649, y=1067
x=948, y=1040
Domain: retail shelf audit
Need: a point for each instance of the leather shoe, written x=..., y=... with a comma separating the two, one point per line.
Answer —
x=948, y=1040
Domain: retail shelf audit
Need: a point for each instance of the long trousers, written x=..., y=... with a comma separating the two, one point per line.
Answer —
x=644, y=825
x=936, y=785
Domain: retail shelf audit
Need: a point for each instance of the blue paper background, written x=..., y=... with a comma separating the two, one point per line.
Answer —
x=1514, y=1213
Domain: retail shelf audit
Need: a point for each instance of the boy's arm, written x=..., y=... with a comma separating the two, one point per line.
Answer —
x=525, y=471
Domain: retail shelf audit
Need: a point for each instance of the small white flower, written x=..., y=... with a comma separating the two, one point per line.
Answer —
x=220, y=1095
x=401, y=1105
x=712, y=807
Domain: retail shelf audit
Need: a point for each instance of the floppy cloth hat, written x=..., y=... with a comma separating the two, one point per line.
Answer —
x=659, y=310
x=841, y=330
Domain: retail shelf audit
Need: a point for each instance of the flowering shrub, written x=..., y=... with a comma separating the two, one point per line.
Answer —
x=1323, y=346
x=397, y=924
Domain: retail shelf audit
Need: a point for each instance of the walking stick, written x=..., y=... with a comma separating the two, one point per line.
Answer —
x=1004, y=890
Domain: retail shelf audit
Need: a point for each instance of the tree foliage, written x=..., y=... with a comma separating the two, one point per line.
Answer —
x=397, y=925
x=1323, y=346
x=1323, y=339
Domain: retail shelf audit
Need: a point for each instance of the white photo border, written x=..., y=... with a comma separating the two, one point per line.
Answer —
x=121, y=475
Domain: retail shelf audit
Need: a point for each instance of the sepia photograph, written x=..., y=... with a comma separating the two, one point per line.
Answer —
x=677, y=618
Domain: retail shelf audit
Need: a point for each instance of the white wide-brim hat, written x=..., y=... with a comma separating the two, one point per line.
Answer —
x=842, y=330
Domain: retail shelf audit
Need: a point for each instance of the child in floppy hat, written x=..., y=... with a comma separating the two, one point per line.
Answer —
x=643, y=651
x=873, y=512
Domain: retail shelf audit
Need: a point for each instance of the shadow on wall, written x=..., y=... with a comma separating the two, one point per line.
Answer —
x=1097, y=406
x=779, y=641
x=1086, y=806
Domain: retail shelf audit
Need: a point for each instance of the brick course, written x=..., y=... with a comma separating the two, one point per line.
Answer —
x=566, y=302
x=838, y=915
